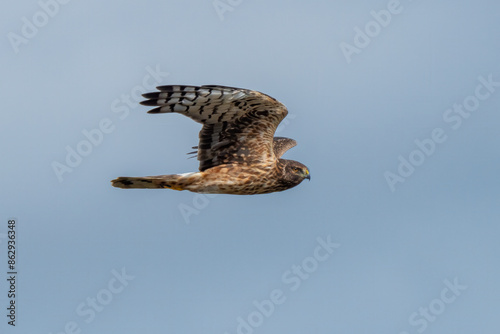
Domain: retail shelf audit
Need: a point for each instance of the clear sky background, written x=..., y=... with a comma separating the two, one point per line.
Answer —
x=396, y=111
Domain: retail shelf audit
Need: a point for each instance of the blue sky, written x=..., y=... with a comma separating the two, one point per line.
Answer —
x=395, y=108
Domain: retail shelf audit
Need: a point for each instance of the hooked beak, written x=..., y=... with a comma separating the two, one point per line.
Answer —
x=308, y=176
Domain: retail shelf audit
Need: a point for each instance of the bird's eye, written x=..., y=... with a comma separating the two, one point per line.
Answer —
x=295, y=169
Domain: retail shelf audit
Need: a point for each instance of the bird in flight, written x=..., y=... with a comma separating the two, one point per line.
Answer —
x=237, y=150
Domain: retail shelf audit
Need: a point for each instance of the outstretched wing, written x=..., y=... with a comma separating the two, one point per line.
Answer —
x=281, y=145
x=238, y=124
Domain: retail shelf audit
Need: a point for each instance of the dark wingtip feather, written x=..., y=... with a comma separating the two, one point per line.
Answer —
x=149, y=103
x=155, y=111
x=168, y=88
x=153, y=95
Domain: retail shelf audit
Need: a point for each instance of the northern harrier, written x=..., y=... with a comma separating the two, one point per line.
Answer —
x=237, y=152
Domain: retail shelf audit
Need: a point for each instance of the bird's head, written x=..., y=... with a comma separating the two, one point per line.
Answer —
x=294, y=171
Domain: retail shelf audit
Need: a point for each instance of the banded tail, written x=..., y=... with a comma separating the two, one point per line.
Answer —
x=174, y=181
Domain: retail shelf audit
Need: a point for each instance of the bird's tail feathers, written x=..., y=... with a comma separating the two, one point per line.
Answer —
x=175, y=182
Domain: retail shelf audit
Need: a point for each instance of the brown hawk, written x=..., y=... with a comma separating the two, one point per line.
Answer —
x=237, y=151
